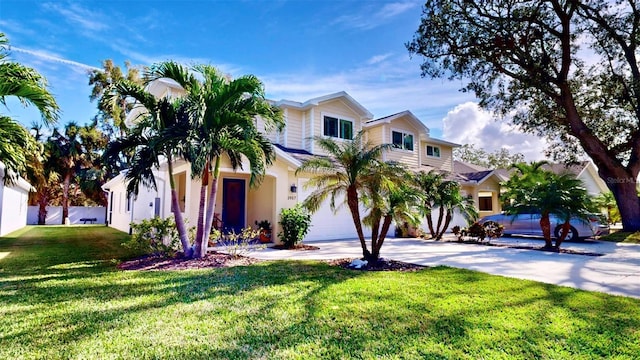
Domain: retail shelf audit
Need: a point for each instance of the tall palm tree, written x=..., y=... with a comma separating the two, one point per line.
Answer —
x=67, y=156
x=449, y=200
x=225, y=125
x=161, y=133
x=30, y=88
x=428, y=184
x=345, y=174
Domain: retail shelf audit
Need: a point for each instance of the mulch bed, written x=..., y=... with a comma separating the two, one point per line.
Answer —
x=381, y=265
x=212, y=260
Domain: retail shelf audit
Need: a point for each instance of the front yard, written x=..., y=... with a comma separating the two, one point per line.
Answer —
x=61, y=296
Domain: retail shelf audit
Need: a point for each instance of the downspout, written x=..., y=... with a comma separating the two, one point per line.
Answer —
x=131, y=199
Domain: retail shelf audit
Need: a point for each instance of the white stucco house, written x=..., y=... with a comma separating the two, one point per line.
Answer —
x=13, y=203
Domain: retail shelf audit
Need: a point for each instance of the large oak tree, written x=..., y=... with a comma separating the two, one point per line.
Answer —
x=567, y=70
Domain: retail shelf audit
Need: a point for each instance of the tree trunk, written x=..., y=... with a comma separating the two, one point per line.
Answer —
x=386, y=224
x=545, y=225
x=430, y=225
x=352, y=202
x=199, y=241
x=65, y=197
x=177, y=214
x=440, y=216
x=563, y=234
x=375, y=233
x=42, y=209
x=447, y=221
x=628, y=202
x=211, y=207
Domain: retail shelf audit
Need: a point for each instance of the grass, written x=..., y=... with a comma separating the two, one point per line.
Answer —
x=61, y=297
x=622, y=236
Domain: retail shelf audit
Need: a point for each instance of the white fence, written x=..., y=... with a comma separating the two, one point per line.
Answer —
x=54, y=215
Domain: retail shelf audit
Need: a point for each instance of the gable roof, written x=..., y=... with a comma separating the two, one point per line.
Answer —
x=320, y=99
x=423, y=130
x=464, y=167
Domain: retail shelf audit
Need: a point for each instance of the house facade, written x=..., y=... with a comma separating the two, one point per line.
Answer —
x=13, y=203
x=238, y=205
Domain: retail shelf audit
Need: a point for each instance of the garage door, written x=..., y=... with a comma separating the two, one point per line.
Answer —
x=325, y=224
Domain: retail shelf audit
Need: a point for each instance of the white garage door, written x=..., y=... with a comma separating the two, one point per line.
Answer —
x=325, y=224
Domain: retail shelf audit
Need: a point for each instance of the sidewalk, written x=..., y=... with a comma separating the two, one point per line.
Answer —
x=617, y=272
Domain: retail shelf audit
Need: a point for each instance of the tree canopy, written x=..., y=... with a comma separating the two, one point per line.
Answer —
x=567, y=70
x=497, y=159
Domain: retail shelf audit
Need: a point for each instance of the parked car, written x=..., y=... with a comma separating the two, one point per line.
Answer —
x=529, y=224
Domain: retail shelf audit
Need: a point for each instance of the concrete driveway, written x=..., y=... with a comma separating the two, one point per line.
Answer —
x=616, y=272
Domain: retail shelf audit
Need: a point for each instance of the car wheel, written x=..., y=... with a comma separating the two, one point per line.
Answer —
x=571, y=236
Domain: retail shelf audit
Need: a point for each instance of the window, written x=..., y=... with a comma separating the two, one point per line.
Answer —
x=401, y=140
x=339, y=128
x=433, y=151
x=485, y=201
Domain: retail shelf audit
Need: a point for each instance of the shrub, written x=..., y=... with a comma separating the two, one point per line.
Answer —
x=156, y=236
x=236, y=244
x=295, y=223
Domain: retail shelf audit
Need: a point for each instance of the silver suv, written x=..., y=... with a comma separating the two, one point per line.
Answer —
x=529, y=224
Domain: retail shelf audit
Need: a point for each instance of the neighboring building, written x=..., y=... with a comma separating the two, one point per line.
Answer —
x=13, y=203
x=335, y=115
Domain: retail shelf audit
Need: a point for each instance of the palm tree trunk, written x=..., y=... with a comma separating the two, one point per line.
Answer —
x=204, y=182
x=211, y=207
x=386, y=224
x=177, y=213
x=42, y=208
x=352, y=202
x=545, y=226
x=65, y=197
x=447, y=221
x=430, y=225
x=440, y=217
x=563, y=234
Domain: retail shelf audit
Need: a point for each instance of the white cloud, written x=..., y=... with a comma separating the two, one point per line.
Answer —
x=50, y=57
x=468, y=124
x=378, y=58
x=368, y=18
x=77, y=15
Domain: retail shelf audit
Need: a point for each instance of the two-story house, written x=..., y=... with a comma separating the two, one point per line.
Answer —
x=238, y=205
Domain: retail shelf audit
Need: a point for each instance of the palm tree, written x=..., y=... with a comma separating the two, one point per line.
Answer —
x=40, y=175
x=532, y=188
x=348, y=171
x=391, y=198
x=67, y=157
x=161, y=133
x=225, y=125
x=31, y=89
x=446, y=195
x=608, y=201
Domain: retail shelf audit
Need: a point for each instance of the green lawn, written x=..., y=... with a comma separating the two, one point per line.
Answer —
x=622, y=236
x=61, y=297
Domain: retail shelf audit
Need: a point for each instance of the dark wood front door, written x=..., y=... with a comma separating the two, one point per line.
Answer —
x=233, y=203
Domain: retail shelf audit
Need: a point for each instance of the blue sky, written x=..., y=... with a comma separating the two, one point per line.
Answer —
x=300, y=49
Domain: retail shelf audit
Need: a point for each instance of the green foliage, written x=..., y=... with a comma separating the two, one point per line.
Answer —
x=622, y=236
x=295, y=223
x=498, y=159
x=608, y=202
x=263, y=224
x=155, y=236
x=236, y=244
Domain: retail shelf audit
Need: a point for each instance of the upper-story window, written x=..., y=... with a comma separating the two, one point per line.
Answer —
x=433, y=151
x=402, y=140
x=339, y=128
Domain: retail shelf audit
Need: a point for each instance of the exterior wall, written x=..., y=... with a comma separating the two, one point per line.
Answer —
x=592, y=182
x=272, y=135
x=54, y=214
x=13, y=208
x=292, y=135
x=443, y=163
x=332, y=108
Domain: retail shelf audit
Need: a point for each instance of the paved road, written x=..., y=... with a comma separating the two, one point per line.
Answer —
x=617, y=272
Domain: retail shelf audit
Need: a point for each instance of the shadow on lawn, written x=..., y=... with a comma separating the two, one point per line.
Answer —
x=300, y=309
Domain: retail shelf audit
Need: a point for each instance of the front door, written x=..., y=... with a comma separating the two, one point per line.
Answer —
x=233, y=202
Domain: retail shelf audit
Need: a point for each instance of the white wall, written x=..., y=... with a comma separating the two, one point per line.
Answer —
x=13, y=208
x=54, y=214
